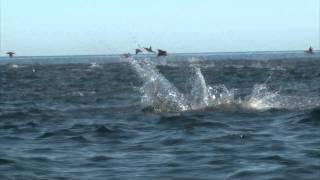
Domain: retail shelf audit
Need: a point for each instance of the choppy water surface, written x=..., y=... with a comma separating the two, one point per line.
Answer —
x=188, y=116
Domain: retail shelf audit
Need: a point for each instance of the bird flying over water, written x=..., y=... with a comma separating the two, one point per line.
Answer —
x=126, y=55
x=10, y=53
x=162, y=52
x=149, y=49
x=138, y=51
x=309, y=51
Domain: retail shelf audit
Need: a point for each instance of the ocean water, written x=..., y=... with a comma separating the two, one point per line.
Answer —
x=185, y=116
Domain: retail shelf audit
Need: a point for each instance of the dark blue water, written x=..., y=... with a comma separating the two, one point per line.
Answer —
x=187, y=116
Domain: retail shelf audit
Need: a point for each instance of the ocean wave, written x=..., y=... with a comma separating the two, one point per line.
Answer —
x=6, y=161
x=312, y=117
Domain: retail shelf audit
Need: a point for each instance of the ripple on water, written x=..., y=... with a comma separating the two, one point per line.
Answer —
x=312, y=118
x=64, y=122
x=100, y=158
x=6, y=161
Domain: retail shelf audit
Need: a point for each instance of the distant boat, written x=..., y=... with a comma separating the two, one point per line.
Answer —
x=309, y=51
x=11, y=54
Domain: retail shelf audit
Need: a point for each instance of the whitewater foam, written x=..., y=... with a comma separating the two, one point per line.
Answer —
x=199, y=95
x=14, y=66
x=162, y=96
x=95, y=65
x=262, y=98
x=157, y=91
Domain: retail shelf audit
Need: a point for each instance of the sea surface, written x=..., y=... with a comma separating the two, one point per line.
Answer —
x=185, y=116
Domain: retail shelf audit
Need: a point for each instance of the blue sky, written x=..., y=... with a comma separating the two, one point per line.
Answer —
x=75, y=27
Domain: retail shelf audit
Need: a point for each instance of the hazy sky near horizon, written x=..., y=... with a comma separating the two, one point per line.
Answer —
x=78, y=27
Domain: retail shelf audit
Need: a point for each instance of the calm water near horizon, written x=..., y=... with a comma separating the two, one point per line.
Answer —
x=252, y=115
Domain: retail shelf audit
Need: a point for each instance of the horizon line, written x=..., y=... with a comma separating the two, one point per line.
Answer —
x=175, y=53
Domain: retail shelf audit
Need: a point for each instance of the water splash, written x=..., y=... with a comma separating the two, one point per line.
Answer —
x=199, y=95
x=221, y=95
x=14, y=66
x=95, y=65
x=162, y=96
x=262, y=98
x=158, y=92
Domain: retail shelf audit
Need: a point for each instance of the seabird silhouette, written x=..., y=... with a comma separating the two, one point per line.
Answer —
x=162, y=52
x=11, y=54
x=127, y=55
x=309, y=51
x=149, y=49
x=138, y=51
